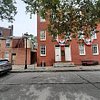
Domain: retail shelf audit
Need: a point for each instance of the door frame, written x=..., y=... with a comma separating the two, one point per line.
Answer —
x=68, y=53
x=56, y=53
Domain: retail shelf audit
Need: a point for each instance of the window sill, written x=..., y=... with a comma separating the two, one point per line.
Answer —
x=82, y=54
x=43, y=55
x=43, y=40
x=96, y=54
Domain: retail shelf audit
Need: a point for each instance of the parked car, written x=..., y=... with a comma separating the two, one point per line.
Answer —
x=5, y=66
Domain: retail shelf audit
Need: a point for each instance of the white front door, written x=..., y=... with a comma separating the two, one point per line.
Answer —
x=67, y=53
x=57, y=54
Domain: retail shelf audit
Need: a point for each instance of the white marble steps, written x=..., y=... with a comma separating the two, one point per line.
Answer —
x=63, y=64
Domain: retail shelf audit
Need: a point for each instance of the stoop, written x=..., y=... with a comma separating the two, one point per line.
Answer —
x=63, y=64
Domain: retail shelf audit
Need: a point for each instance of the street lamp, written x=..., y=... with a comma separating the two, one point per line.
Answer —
x=25, y=36
x=26, y=55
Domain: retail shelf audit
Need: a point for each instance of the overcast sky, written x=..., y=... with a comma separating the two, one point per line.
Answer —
x=22, y=23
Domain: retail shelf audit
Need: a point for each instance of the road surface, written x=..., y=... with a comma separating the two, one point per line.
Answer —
x=50, y=86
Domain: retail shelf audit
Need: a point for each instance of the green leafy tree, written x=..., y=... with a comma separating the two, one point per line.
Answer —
x=30, y=36
x=72, y=18
x=7, y=10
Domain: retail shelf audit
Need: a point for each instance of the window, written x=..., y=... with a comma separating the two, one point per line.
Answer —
x=42, y=50
x=42, y=19
x=0, y=43
x=7, y=42
x=94, y=36
x=80, y=34
x=81, y=49
x=95, y=49
x=42, y=35
x=1, y=33
x=6, y=55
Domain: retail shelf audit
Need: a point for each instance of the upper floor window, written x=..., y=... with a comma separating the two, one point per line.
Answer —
x=1, y=33
x=81, y=49
x=0, y=43
x=42, y=35
x=8, y=42
x=42, y=50
x=42, y=19
x=95, y=50
x=94, y=36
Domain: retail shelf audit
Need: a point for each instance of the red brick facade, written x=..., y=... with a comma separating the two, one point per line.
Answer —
x=14, y=48
x=76, y=58
x=16, y=55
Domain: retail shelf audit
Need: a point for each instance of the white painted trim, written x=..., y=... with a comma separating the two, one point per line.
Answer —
x=40, y=50
x=84, y=50
x=68, y=54
x=97, y=50
x=44, y=32
x=57, y=53
x=94, y=36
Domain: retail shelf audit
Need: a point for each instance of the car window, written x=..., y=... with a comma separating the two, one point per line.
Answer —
x=3, y=62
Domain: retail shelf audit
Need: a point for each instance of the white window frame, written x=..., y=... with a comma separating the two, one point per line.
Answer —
x=42, y=20
x=94, y=36
x=44, y=52
x=43, y=35
x=8, y=42
x=6, y=55
x=82, y=49
x=97, y=53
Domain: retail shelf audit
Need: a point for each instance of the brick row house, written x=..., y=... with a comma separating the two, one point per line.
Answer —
x=14, y=48
x=49, y=52
x=19, y=51
x=4, y=33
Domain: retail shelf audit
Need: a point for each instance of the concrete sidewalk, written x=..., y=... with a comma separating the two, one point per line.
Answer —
x=34, y=68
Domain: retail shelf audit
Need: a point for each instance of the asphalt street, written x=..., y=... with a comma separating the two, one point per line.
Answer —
x=50, y=86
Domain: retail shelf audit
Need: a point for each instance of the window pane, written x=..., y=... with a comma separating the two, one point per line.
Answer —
x=94, y=35
x=95, y=49
x=1, y=33
x=42, y=35
x=81, y=49
x=6, y=55
x=7, y=42
x=42, y=50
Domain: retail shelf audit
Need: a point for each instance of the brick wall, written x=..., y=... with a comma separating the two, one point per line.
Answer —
x=19, y=52
x=49, y=59
x=20, y=56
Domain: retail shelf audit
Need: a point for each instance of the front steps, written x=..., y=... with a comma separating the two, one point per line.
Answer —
x=63, y=64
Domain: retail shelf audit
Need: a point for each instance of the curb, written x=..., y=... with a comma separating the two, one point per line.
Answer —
x=27, y=71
